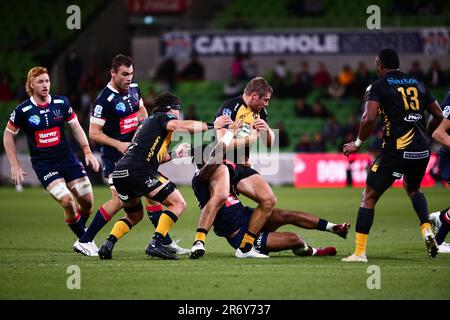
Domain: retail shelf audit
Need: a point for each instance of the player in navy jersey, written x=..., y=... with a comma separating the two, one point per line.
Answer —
x=136, y=174
x=116, y=114
x=401, y=101
x=232, y=219
x=249, y=109
x=441, y=219
x=42, y=118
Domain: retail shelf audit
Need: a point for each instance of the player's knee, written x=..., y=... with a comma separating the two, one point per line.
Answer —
x=269, y=202
x=178, y=206
x=135, y=218
x=115, y=201
x=293, y=240
x=67, y=201
x=219, y=198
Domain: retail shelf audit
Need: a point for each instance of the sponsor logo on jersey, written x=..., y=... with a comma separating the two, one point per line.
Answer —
x=446, y=111
x=13, y=116
x=394, y=81
x=413, y=117
x=121, y=108
x=122, y=197
x=58, y=101
x=227, y=112
x=57, y=114
x=25, y=109
x=111, y=96
x=50, y=174
x=129, y=123
x=34, y=120
x=151, y=182
x=44, y=111
x=48, y=137
x=397, y=174
x=98, y=111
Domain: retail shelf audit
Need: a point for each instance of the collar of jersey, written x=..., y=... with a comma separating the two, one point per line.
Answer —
x=110, y=87
x=41, y=105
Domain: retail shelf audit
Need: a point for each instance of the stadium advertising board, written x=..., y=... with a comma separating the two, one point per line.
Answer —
x=182, y=44
x=332, y=170
x=156, y=6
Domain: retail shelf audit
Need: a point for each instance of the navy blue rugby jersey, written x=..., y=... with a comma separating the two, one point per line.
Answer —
x=446, y=111
x=118, y=114
x=43, y=126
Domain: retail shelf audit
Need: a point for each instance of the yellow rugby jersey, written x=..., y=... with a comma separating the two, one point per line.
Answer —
x=237, y=110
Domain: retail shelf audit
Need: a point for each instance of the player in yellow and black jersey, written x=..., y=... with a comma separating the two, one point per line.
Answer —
x=401, y=101
x=136, y=174
x=248, y=108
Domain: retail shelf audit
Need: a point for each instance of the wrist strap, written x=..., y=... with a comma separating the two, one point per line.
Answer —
x=227, y=138
x=359, y=142
x=210, y=125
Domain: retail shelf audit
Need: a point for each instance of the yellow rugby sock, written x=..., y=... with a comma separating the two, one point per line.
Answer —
x=166, y=221
x=201, y=235
x=121, y=228
x=361, y=243
x=423, y=227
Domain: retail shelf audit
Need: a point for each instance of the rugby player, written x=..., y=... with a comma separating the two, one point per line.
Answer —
x=233, y=218
x=116, y=113
x=401, y=101
x=441, y=219
x=136, y=174
x=41, y=117
x=250, y=109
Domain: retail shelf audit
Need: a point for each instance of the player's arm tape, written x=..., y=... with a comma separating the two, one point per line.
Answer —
x=13, y=132
x=98, y=121
x=359, y=142
x=227, y=138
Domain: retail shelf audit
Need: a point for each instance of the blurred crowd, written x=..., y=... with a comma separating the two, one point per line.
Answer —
x=84, y=82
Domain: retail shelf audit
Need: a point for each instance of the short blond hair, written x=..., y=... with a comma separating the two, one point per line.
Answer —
x=258, y=84
x=33, y=73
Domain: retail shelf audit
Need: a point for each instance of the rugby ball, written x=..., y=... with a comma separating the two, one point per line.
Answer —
x=244, y=131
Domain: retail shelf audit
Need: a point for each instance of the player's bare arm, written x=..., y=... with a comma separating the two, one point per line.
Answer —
x=435, y=110
x=266, y=132
x=441, y=135
x=82, y=140
x=193, y=126
x=366, y=125
x=17, y=173
x=142, y=111
x=96, y=134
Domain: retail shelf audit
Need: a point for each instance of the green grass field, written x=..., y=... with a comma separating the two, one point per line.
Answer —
x=35, y=252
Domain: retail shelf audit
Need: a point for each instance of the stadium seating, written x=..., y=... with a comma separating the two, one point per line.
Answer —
x=272, y=14
x=44, y=22
x=206, y=96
